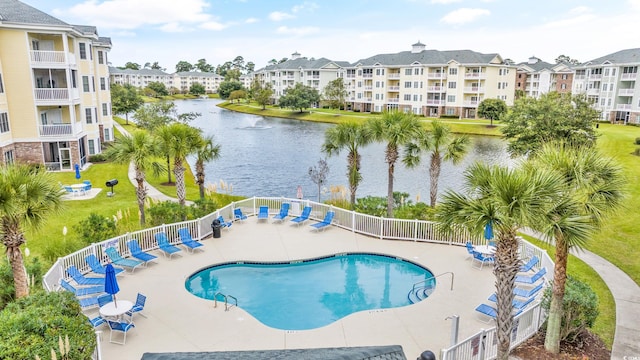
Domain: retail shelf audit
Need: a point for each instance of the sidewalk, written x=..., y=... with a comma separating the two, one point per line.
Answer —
x=626, y=293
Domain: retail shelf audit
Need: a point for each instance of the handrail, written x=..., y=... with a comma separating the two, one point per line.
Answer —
x=433, y=277
x=226, y=301
x=235, y=300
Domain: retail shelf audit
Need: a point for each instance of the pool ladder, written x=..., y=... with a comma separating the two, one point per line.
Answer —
x=227, y=306
x=424, y=290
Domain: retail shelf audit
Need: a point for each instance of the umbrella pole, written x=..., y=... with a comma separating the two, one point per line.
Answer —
x=115, y=302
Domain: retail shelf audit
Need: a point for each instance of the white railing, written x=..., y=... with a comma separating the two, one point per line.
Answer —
x=435, y=88
x=474, y=89
x=435, y=75
x=393, y=88
x=52, y=94
x=526, y=324
x=436, y=102
x=56, y=130
x=629, y=76
x=474, y=75
x=394, y=76
x=44, y=56
x=626, y=92
x=470, y=103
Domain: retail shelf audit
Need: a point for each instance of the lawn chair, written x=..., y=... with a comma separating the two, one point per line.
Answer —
x=163, y=244
x=284, y=212
x=491, y=312
x=97, y=321
x=97, y=267
x=138, y=306
x=527, y=293
x=263, y=213
x=524, y=279
x=328, y=218
x=119, y=326
x=117, y=259
x=306, y=212
x=530, y=264
x=81, y=291
x=87, y=302
x=225, y=224
x=470, y=250
x=136, y=252
x=517, y=304
x=105, y=299
x=482, y=259
x=80, y=279
x=238, y=215
x=187, y=240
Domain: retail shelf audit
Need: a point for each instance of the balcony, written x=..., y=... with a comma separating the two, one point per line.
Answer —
x=435, y=102
x=474, y=89
x=55, y=95
x=394, y=100
x=629, y=76
x=56, y=130
x=369, y=87
x=393, y=88
x=595, y=76
x=44, y=57
x=435, y=75
x=624, y=106
x=625, y=92
x=367, y=75
x=435, y=89
x=593, y=91
x=474, y=75
x=471, y=103
x=394, y=75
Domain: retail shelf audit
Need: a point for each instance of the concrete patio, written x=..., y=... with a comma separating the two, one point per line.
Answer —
x=178, y=321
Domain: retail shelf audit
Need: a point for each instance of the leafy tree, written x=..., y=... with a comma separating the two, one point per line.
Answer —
x=519, y=93
x=132, y=65
x=28, y=196
x=166, y=212
x=592, y=187
x=226, y=87
x=510, y=199
x=443, y=145
x=232, y=74
x=184, y=66
x=125, y=99
x=156, y=66
x=238, y=63
x=567, y=59
x=553, y=117
x=202, y=66
x=222, y=69
x=377, y=205
x=140, y=149
x=335, y=93
x=350, y=136
x=318, y=174
x=492, y=109
x=396, y=129
x=156, y=114
x=206, y=151
x=299, y=97
x=173, y=90
x=261, y=93
x=197, y=89
x=159, y=88
x=35, y=271
x=95, y=228
x=237, y=95
x=250, y=67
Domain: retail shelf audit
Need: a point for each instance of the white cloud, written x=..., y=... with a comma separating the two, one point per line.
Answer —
x=213, y=25
x=127, y=14
x=444, y=1
x=580, y=10
x=173, y=27
x=279, y=16
x=309, y=6
x=464, y=15
x=297, y=31
x=251, y=21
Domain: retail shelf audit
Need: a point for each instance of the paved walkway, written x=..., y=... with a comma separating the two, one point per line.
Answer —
x=626, y=293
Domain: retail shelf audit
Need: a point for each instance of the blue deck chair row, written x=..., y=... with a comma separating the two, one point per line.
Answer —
x=80, y=279
x=136, y=252
x=81, y=291
x=304, y=216
x=284, y=212
x=263, y=213
x=164, y=245
x=187, y=240
x=516, y=303
x=117, y=259
x=97, y=267
x=530, y=264
x=328, y=218
x=223, y=223
x=525, y=279
x=491, y=312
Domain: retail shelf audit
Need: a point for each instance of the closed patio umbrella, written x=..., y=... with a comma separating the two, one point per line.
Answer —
x=110, y=282
x=488, y=231
x=77, y=167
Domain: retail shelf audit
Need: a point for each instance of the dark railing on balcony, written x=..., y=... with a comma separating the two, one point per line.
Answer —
x=56, y=130
x=52, y=94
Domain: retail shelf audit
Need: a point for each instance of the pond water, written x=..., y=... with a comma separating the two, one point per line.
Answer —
x=265, y=156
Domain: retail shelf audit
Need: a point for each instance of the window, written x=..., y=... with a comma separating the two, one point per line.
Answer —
x=451, y=111
x=563, y=86
x=4, y=122
x=451, y=85
x=453, y=71
x=100, y=57
x=407, y=71
x=564, y=76
x=415, y=97
x=105, y=109
x=611, y=87
x=613, y=72
x=92, y=146
x=103, y=83
x=606, y=72
x=107, y=135
x=93, y=84
x=88, y=115
x=1, y=86
x=415, y=84
x=416, y=71
x=359, y=84
x=74, y=75
x=609, y=102
x=85, y=83
x=451, y=98
x=407, y=97
x=8, y=157
x=83, y=51
x=407, y=84
x=90, y=52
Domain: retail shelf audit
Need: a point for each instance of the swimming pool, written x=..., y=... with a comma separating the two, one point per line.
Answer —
x=308, y=294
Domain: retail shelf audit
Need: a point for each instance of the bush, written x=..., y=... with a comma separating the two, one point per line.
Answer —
x=33, y=325
x=419, y=211
x=377, y=205
x=97, y=158
x=166, y=212
x=580, y=309
x=638, y=141
x=7, y=290
x=636, y=152
x=95, y=228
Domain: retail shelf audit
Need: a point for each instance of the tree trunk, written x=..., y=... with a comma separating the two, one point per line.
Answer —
x=507, y=264
x=353, y=159
x=169, y=168
x=200, y=178
x=126, y=116
x=13, y=238
x=392, y=156
x=181, y=191
x=434, y=174
x=552, y=338
x=141, y=193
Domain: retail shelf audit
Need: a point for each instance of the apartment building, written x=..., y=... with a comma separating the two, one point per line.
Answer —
x=210, y=81
x=181, y=81
x=55, y=104
x=310, y=72
x=612, y=83
x=139, y=78
x=536, y=77
x=429, y=82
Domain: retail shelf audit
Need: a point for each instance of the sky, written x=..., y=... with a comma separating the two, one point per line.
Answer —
x=168, y=31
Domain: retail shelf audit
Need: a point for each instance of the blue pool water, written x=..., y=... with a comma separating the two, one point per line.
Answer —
x=309, y=294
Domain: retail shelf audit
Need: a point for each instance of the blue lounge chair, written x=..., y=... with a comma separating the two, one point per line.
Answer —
x=87, y=302
x=138, y=306
x=306, y=212
x=81, y=291
x=284, y=212
x=187, y=240
x=491, y=312
x=263, y=213
x=527, y=293
x=163, y=244
x=119, y=326
x=97, y=321
x=117, y=259
x=482, y=259
x=97, y=267
x=238, y=215
x=80, y=279
x=517, y=304
x=530, y=264
x=225, y=224
x=524, y=279
x=470, y=249
x=104, y=299
x=328, y=218
x=136, y=252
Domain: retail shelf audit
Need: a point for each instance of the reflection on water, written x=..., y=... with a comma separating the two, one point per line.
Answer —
x=264, y=156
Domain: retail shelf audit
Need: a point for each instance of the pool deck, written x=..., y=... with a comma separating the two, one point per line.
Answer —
x=178, y=321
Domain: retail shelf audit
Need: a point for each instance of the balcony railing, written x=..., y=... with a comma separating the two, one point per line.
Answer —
x=394, y=100
x=474, y=89
x=624, y=106
x=394, y=76
x=56, y=130
x=367, y=75
x=435, y=89
x=474, y=75
x=436, y=102
x=470, y=103
x=393, y=88
x=435, y=75
x=44, y=56
x=625, y=92
x=629, y=76
x=58, y=94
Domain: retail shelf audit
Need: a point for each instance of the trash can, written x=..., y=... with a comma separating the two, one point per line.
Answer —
x=216, y=226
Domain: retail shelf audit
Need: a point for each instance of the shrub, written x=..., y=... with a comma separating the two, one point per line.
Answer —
x=638, y=141
x=95, y=228
x=166, y=212
x=636, y=152
x=97, y=158
x=32, y=326
x=580, y=309
x=419, y=211
x=202, y=207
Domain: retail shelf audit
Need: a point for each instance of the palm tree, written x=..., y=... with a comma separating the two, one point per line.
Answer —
x=397, y=129
x=205, y=152
x=511, y=199
x=592, y=188
x=140, y=149
x=28, y=196
x=443, y=146
x=348, y=135
x=184, y=141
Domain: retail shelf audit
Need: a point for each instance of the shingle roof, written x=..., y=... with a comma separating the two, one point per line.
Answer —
x=538, y=66
x=197, y=73
x=393, y=352
x=14, y=11
x=428, y=57
x=303, y=63
x=115, y=70
x=86, y=29
x=620, y=57
x=104, y=40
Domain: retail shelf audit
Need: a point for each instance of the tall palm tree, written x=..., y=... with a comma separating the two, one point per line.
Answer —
x=28, y=196
x=140, y=149
x=348, y=135
x=396, y=128
x=511, y=199
x=184, y=141
x=592, y=188
x=443, y=147
x=206, y=151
